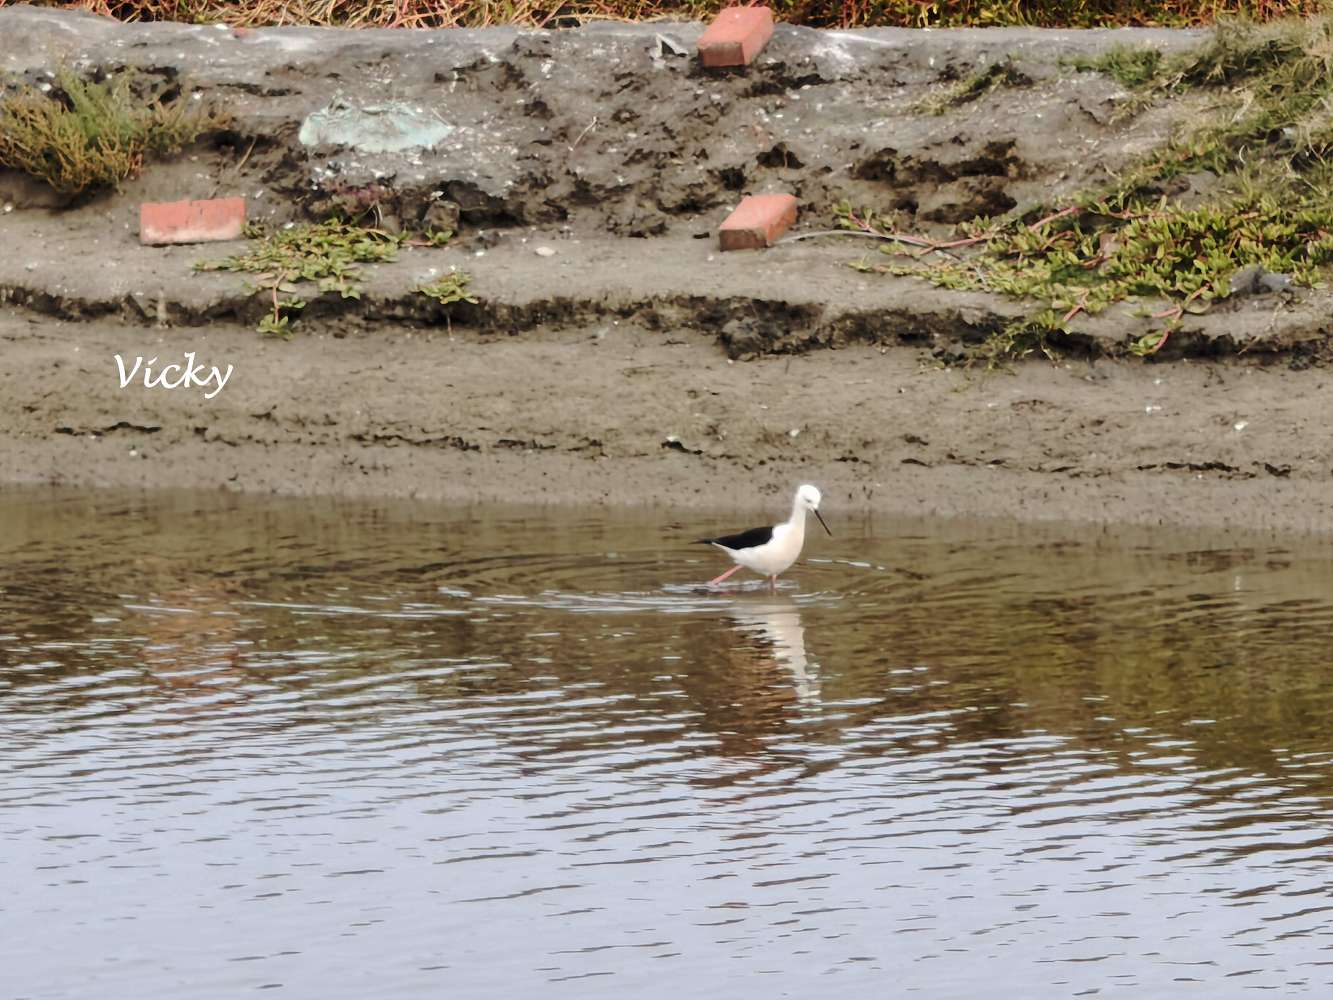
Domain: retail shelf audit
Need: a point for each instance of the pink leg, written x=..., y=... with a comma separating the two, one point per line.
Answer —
x=772, y=584
x=719, y=579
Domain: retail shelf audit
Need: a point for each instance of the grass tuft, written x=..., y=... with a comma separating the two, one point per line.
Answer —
x=1270, y=146
x=84, y=136
x=1275, y=87
x=1002, y=73
x=1133, y=66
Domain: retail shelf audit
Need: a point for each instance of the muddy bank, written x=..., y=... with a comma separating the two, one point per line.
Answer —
x=612, y=146
x=792, y=298
x=618, y=414
x=629, y=361
x=617, y=128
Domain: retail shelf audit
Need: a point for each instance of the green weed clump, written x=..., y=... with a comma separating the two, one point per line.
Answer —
x=1082, y=261
x=86, y=136
x=1269, y=146
x=327, y=255
x=1274, y=83
x=1132, y=66
x=449, y=289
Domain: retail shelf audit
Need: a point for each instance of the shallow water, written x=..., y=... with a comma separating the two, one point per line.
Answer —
x=387, y=751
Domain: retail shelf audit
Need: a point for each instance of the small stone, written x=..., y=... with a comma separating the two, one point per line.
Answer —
x=544, y=252
x=1255, y=280
x=1244, y=281
x=1271, y=281
x=666, y=45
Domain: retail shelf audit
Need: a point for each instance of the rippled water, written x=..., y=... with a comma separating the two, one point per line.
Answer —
x=390, y=751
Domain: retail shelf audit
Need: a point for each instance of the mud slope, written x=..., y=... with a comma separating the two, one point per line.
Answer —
x=604, y=128
x=611, y=144
x=629, y=361
x=618, y=414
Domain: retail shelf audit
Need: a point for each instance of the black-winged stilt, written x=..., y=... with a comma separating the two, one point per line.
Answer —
x=769, y=551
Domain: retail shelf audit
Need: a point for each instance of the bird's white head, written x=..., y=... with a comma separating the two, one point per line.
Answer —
x=807, y=498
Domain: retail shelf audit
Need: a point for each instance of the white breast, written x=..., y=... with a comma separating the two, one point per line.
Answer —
x=777, y=554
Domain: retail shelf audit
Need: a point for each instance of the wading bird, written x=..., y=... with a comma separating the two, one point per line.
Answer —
x=770, y=551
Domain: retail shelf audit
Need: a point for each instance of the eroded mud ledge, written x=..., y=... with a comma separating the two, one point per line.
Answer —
x=623, y=415
x=622, y=156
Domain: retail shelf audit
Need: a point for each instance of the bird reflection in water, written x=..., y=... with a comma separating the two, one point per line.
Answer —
x=754, y=678
x=191, y=633
x=778, y=623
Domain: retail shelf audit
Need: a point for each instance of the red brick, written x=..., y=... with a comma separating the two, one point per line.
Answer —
x=757, y=221
x=191, y=221
x=736, y=36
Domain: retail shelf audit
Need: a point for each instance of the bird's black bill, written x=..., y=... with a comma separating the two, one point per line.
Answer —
x=821, y=521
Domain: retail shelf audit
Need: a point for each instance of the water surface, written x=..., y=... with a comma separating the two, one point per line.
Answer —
x=390, y=750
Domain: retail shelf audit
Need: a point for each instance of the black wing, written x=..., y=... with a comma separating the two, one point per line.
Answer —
x=751, y=539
